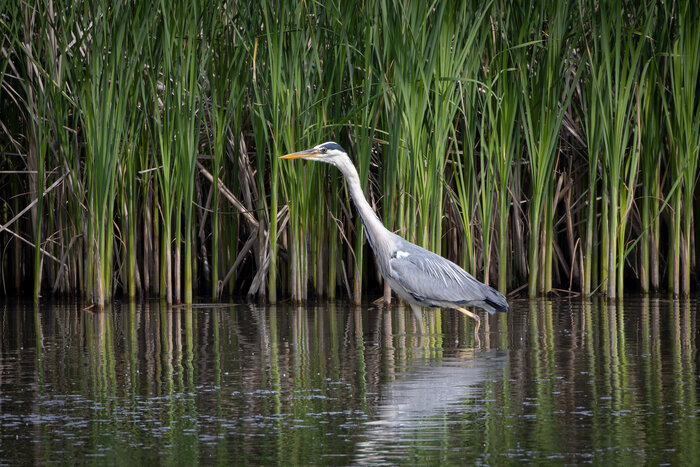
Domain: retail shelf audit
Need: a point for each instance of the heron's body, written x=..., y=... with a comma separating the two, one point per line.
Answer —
x=418, y=276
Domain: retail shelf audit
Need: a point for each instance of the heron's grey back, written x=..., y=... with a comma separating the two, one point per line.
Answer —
x=434, y=281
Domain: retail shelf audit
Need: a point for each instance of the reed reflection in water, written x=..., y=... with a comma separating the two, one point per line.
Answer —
x=572, y=381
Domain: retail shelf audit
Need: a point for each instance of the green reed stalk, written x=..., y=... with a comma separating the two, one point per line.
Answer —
x=67, y=155
x=103, y=100
x=327, y=53
x=547, y=90
x=408, y=43
x=463, y=169
x=37, y=157
x=499, y=136
x=129, y=196
x=487, y=180
x=414, y=92
x=227, y=81
x=652, y=150
x=260, y=126
x=188, y=122
x=490, y=149
x=390, y=120
x=133, y=144
x=269, y=95
x=363, y=85
x=352, y=80
x=149, y=276
x=458, y=33
x=683, y=124
x=650, y=168
x=508, y=141
x=450, y=48
x=615, y=63
x=36, y=100
x=63, y=221
x=176, y=127
x=302, y=107
x=161, y=91
x=593, y=134
x=44, y=87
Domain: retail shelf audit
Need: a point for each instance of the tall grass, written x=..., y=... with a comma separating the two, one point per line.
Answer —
x=104, y=91
x=615, y=61
x=268, y=105
x=500, y=140
x=364, y=85
x=140, y=144
x=456, y=38
x=546, y=86
x=227, y=78
x=682, y=114
x=37, y=90
x=194, y=55
x=162, y=125
x=650, y=178
x=425, y=80
x=290, y=78
x=463, y=163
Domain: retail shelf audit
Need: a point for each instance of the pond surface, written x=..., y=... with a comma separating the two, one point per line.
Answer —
x=559, y=382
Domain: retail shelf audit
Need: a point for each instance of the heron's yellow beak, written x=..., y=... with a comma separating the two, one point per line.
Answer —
x=308, y=153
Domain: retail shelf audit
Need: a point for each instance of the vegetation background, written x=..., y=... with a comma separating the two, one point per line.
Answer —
x=543, y=146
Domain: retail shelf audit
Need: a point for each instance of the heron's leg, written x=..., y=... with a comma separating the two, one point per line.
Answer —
x=418, y=313
x=474, y=316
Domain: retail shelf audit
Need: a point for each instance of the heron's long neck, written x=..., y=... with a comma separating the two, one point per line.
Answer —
x=373, y=226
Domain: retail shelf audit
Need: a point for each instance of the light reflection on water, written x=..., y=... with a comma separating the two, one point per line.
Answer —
x=551, y=381
x=427, y=400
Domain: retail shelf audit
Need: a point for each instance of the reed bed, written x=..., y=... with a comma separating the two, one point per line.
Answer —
x=547, y=149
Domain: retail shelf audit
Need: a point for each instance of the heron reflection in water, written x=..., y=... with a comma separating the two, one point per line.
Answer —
x=418, y=276
x=425, y=399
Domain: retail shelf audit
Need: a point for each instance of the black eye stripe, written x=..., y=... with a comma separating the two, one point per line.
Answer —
x=331, y=146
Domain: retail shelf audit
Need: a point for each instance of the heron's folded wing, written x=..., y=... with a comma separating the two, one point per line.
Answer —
x=430, y=278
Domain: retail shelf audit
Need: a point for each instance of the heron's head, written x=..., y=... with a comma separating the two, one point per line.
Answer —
x=329, y=152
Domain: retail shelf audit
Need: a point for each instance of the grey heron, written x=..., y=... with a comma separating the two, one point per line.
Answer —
x=420, y=277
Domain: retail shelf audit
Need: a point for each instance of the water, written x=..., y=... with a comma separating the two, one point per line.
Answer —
x=559, y=382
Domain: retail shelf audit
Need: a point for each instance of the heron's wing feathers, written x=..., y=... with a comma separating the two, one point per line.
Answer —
x=434, y=281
